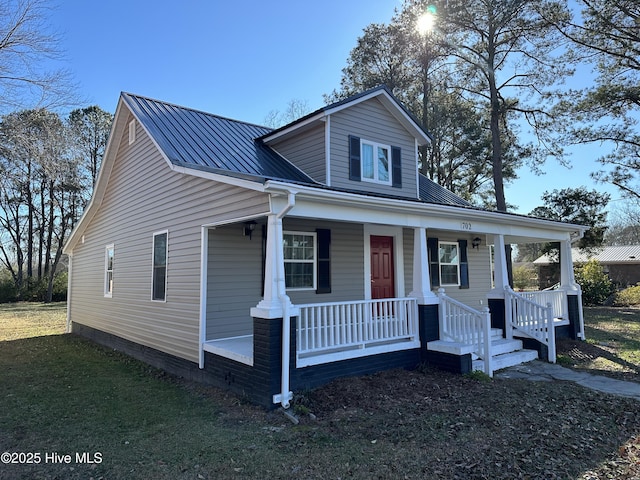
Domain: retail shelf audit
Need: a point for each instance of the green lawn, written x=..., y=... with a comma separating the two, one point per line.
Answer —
x=62, y=395
x=613, y=344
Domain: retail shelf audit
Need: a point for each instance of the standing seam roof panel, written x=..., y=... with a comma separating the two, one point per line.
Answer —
x=191, y=137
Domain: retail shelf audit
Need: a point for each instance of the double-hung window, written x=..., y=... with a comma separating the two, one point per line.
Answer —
x=376, y=162
x=300, y=260
x=159, y=281
x=108, y=270
x=449, y=260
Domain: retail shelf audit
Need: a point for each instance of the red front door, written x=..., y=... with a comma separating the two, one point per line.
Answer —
x=382, y=276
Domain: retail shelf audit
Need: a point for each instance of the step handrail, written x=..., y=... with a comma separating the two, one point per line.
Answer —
x=530, y=319
x=463, y=324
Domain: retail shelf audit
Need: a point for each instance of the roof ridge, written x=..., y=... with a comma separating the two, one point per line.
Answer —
x=195, y=110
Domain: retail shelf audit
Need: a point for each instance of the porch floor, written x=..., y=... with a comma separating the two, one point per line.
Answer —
x=239, y=349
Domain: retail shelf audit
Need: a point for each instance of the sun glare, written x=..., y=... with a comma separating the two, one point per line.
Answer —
x=425, y=23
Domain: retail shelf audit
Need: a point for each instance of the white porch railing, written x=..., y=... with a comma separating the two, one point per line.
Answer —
x=340, y=330
x=463, y=324
x=557, y=299
x=531, y=319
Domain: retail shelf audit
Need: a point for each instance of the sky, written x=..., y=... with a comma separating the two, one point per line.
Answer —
x=241, y=60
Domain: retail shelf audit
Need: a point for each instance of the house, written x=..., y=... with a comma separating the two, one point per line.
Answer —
x=620, y=263
x=272, y=261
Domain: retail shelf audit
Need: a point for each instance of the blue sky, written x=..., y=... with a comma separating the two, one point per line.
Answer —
x=239, y=59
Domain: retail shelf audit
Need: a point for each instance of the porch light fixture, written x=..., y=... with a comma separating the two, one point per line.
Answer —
x=475, y=243
x=249, y=227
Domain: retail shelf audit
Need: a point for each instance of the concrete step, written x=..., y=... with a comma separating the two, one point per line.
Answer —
x=506, y=360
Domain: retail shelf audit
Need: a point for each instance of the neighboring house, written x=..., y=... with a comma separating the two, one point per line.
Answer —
x=620, y=263
x=268, y=261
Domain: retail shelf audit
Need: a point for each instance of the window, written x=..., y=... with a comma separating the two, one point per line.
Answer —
x=159, y=284
x=300, y=260
x=108, y=270
x=375, y=162
x=449, y=263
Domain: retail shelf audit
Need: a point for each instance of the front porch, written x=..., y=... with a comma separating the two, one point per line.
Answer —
x=324, y=333
x=295, y=341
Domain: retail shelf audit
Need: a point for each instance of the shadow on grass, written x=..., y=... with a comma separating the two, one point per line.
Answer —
x=63, y=394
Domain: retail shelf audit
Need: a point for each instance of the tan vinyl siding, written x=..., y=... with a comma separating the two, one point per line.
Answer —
x=306, y=151
x=234, y=280
x=144, y=196
x=371, y=121
x=479, y=271
x=347, y=261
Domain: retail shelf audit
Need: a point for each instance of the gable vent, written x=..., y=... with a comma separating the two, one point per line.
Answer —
x=132, y=131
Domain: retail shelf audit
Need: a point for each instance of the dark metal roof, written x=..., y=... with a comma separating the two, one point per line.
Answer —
x=431, y=192
x=203, y=141
x=206, y=142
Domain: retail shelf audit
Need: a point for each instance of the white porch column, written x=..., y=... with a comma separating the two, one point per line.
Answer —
x=567, y=277
x=271, y=305
x=421, y=278
x=501, y=277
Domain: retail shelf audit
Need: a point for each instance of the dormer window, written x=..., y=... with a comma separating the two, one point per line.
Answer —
x=374, y=162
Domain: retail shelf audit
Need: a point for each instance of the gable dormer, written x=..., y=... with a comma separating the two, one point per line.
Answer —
x=367, y=143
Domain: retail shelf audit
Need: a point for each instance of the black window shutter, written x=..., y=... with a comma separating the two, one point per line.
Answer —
x=464, y=264
x=324, y=261
x=396, y=167
x=434, y=263
x=354, y=158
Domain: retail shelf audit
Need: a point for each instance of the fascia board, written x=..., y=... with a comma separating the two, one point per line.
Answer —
x=332, y=205
x=392, y=106
x=293, y=128
x=386, y=99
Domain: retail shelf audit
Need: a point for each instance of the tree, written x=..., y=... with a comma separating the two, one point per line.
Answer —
x=579, y=206
x=37, y=193
x=414, y=67
x=25, y=48
x=295, y=109
x=624, y=224
x=506, y=61
x=90, y=128
x=609, y=38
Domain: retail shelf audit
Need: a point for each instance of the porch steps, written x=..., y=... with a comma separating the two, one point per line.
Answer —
x=506, y=353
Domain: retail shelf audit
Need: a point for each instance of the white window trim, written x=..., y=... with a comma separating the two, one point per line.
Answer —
x=315, y=259
x=108, y=286
x=442, y=284
x=166, y=266
x=375, y=147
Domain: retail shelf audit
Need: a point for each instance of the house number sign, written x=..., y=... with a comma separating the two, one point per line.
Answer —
x=465, y=226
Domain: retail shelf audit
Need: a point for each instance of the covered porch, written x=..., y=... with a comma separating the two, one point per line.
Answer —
x=350, y=322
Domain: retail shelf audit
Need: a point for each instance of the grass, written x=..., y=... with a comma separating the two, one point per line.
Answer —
x=23, y=320
x=64, y=395
x=613, y=344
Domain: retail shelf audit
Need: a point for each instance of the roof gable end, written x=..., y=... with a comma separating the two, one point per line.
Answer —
x=382, y=93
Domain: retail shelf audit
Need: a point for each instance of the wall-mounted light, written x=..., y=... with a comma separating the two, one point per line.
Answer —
x=249, y=227
x=475, y=243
